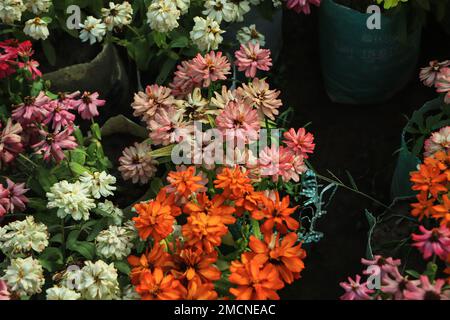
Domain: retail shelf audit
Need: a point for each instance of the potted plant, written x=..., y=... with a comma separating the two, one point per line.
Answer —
x=364, y=63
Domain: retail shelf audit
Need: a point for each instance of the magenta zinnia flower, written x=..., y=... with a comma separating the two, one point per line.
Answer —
x=300, y=6
x=137, y=163
x=54, y=144
x=32, y=67
x=394, y=283
x=17, y=200
x=443, y=83
x=210, y=68
x=300, y=142
x=10, y=142
x=424, y=290
x=4, y=293
x=4, y=200
x=59, y=111
x=385, y=264
x=354, y=290
x=239, y=121
x=87, y=106
x=33, y=109
x=429, y=74
x=433, y=242
x=251, y=57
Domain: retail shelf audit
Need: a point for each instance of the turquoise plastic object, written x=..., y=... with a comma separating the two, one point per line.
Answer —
x=363, y=66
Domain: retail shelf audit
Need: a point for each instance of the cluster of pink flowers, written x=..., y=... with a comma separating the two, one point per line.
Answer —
x=12, y=197
x=393, y=285
x=14, y=56
x=56, y=114
x=437, y=75
x=302, y=6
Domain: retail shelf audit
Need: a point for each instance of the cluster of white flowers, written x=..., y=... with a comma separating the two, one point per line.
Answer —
x=108, y=210
x=36, y=28
x=99, y=184
x=206, y=34
x=38, y=6
x=115, y=243
x=117, y=15
x=11, y=10
x=250, y=34
x=62, y=293
x=24, y=277
x=21, y=237
x=163, y=15
x=98, y=281
x=92, y=30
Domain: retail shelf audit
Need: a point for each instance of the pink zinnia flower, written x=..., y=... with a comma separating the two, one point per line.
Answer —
x=354, y=290
x=439, y=141
x=424, y=290
x=4, y=293
x=300, y=142
x=164, y=125
x=17, y=200
x=184, y=81
x=137, y=163
x=300, y=6
x=147, y=103
x=4, y=200
x=251, y=57
x=386, y=265
x=54, y=144
x=429, y=74
x=433, y=242
x=32, y=67
x=443, y=83
x=59, y=111
x=10, y=142
x=210, y=68
x=87, y=106
x=278, y=162
x=239, y=121
x=33, y=109
x=394, y=283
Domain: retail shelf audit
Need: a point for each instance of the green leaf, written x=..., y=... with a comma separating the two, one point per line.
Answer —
x=96, y=229
x=123, y=267
x=96, y=132
x=78, y=156
x=86, y=249
x=166, y=69
x=77, y=168
x=372, y=223
x=57, y=238
x=51, y=259
x=49, y=52
x=179, y=42
x=72, y=239
x=121, y=124
x=46, y=179
x=413, y=273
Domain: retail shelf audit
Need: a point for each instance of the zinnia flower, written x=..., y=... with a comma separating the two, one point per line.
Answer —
x=10, y=142
x=16, y=198
x=355, y=290
x=62, y=293
x=210, y=68
x=206, y=34
x=219, y=10
x=114, y=243
x=280, y=162
x=250, y=34
x=163, y=15
x=98, y=281
x=193, y=264
x=258, y=95
x=443, y=83
x=155, y=98
x=4, y=293
x=234, y=182
x=87, y=106
x=429, y=74
x=137, y=163
x=196, y=290
x=117, y=15
x=33, y=109
x=156, y=286
x=24, y=276
x=422, y=208
x=93, y=30
x=300, y=142
x=185, y=182
x=36, y=28
x=38, y=6
x=433, y=242
x=11, y=10
x=53, y=144
x=425, y=290
x=31, y=67
x=442, y=211
x=251, y=57
x=439, y=141
x=429, y=178
x=154, y=220
x=100, y=184
x=303, y=6
x=184, y=81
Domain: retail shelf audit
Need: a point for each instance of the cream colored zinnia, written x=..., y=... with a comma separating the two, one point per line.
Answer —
x=25, y=277
x=206, y=34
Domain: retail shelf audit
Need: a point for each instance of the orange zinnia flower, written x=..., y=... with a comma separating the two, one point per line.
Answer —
x=442, y=212
x=194, y=264
x=168, y=199
x=277, y=214
x=423, y=208
x=285, y=256
x=185, y=182
x=157, y=257
x=234, y=182
x=214, y=207
x=204, y=231
x=154, y=220
x=429, y=178
x=156, y=286
x=250, y=202
x=197, y=290
x=254, y=280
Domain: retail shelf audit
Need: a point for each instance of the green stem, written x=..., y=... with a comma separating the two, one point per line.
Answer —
x=22, y=156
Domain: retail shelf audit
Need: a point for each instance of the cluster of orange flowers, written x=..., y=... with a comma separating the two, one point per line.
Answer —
x=185, y=266
x=432, y=180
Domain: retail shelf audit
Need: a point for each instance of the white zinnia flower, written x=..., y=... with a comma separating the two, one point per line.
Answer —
x=117, y=15
x=250, y=34
x=62, y=293
x=219, y=10
x=20, y=237
x=108, y=210
x=183, y=5
x=36, y=28
x=114, y=243
x=71, y=199
x=24, y=277
x=163, y=15
x=240, y=7
x=11, y=10
x=100, y=184
x=277, y=3
x=206, y=34
x=93, y=30
x=99, y=281
x=38, y=6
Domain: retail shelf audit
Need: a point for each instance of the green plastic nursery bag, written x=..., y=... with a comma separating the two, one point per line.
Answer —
x=363, y=66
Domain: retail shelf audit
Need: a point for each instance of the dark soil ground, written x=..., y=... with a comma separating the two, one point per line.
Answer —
x=361, y=139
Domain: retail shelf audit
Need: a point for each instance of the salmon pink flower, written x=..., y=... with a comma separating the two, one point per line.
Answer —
x=4, y=292
x=302, y=6
x=433, y=242
x=88, y=104
x=185, y=80
x=10, y=142
x=439, y=141
x=300, y=142
x=443, y=83
x=424, y=290
x=258, y=94
x=429, y=74
x=251, y=57
x=137, y=163
x=53, y=144
x=33, y=109
x=147, y=103
x=210, y=68
x=355, y=290
x=280, y=162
